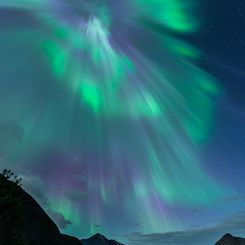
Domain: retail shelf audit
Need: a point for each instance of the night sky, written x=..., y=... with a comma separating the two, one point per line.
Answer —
x=127, y=117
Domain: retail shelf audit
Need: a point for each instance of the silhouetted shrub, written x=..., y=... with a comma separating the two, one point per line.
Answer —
x=11, y=218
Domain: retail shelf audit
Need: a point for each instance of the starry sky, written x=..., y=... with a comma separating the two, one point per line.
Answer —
x=127, y=117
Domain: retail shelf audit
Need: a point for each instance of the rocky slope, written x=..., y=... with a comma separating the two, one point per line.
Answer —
x=99, y=239
x=23, y=221
x=228, y=239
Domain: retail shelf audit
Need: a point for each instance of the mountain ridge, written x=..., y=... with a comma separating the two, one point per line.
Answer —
x=228, y=239
x=21, y=213
x=38, y=228
x=98, y=239
x=34, y=226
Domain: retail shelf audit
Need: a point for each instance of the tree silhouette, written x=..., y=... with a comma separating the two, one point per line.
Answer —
x=11, y=217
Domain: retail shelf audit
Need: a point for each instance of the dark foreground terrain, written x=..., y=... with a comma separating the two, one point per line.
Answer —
x=99, y=239
x=228, y=239
x=24, y=222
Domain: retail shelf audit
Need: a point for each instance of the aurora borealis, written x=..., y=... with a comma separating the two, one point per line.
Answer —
x=107, y=112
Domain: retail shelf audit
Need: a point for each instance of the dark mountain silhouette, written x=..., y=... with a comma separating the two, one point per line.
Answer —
x=23, y=221
x=228, y=239
x=99, y=239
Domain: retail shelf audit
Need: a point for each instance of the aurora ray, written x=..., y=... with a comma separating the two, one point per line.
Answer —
x=137, y=109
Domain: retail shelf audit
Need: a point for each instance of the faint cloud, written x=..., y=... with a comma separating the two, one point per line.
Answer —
x=10, y=134
x=97, y=226
x=59, y=219
x=10, y=130
x=233, y=224
x=36, y=187
x=75, y=196
x=235, y=198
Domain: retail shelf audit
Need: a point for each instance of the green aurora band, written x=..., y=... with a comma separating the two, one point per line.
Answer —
x=127, y=94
